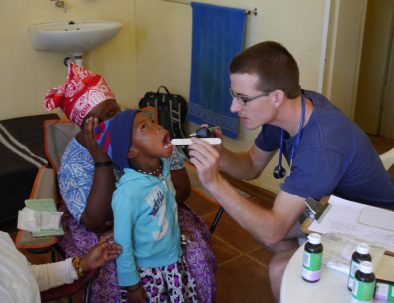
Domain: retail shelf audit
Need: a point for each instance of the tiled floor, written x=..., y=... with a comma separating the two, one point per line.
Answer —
x=242, y=273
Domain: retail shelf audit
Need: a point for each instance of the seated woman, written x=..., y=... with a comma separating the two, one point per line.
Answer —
x=87, y=180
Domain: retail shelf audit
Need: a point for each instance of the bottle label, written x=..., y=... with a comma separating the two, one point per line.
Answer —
x=384, y=292
x=363, y=291
x=353, y=268
x=390, y=297
x=311, y=266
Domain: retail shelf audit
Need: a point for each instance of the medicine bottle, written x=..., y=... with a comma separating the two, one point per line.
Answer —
x=313, y=253
x=361, y=254
x=364, y=283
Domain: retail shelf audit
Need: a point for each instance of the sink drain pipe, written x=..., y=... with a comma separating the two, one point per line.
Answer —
x=75, y=58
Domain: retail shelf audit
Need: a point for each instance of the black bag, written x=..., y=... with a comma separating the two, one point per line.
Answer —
x=171, y=110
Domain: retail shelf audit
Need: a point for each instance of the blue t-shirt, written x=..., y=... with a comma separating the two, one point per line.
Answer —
x=145, y=223
x=333, y=156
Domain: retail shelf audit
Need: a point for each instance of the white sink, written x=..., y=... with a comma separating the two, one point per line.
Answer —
x=72, y=36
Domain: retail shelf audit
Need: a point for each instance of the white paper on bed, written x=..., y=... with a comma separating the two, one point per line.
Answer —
x=34, y=221
x=343, y=216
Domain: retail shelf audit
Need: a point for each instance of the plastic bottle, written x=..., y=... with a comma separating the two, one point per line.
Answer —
x=364, y=283
x=313, y=253
x=361, y=254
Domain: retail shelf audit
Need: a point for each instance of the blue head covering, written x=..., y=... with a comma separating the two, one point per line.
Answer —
x=115, y=136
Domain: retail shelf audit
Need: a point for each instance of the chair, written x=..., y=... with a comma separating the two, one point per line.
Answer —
x=58, y=134
x=387, y=158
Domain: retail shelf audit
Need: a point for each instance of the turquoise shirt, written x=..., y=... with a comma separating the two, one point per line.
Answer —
x=145, y=223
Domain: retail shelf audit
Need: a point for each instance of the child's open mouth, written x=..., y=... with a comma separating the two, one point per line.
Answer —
x=167, y=141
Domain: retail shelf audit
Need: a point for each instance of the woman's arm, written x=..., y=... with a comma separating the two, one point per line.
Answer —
x=63, y=272
x=180, y=180
x=98, y=206
x=179, y=177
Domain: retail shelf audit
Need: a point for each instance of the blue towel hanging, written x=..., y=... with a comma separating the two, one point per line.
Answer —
x=218, y=35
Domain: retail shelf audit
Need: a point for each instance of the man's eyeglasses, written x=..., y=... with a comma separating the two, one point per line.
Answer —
x=242, y=99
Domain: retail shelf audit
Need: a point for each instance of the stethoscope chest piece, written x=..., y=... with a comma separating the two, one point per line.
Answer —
x=279, y=172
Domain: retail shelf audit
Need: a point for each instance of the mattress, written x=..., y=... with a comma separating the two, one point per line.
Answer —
x=22, y=152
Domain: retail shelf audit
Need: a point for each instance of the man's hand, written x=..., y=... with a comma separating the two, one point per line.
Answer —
x=206, y=160
x=104, y=251
x=136, y=294
x=217, y=134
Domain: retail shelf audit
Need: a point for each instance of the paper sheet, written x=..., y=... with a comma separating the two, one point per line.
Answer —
x=377, y=217
x=46, y=205
x=343, y=217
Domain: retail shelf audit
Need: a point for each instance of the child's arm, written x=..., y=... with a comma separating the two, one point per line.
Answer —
x=124, y=219
x=136, y=294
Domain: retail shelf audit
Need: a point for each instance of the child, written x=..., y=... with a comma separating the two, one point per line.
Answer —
x=151, y=265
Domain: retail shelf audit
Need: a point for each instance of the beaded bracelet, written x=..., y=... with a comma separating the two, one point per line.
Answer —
x=103, y=164
x=77, y=266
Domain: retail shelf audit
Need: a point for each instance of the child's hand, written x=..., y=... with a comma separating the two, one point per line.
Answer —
x=136, y=294
x=104, y=251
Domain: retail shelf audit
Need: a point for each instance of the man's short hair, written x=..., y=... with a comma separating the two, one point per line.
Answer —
x=274, y=66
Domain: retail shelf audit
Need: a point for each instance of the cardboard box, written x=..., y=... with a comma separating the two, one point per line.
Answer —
x=385, y=279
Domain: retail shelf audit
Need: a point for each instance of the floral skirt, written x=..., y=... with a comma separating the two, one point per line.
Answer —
x=201, y=261
x=198, y=253
x=169, y=284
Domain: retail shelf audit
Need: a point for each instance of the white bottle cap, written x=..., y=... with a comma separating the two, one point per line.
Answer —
x=366, y=267
x=314, y=238
x=362, y=248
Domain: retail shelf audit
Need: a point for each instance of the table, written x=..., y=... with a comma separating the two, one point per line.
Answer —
x=332, y=286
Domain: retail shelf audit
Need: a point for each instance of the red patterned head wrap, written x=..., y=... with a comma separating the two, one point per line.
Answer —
x=81, y=92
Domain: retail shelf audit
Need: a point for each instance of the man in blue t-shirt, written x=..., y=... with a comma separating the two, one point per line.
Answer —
x=326, y=152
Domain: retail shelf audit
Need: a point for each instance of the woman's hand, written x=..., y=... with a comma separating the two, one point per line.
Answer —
x=136, y=294
x=186, y=237
x=88, y=139
x=104, y=251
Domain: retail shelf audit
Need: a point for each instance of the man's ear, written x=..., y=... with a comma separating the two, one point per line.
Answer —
x=278, y=97
x=132, y=153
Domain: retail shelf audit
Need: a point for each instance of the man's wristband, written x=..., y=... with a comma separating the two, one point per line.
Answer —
x=103, y=164
x=77, y=266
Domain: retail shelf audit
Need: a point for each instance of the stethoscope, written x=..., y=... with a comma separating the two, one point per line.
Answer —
x=279, y=171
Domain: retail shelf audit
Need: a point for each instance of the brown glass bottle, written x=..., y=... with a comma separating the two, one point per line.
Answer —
x=313, y=253
x=361, y=254
x=364, y=283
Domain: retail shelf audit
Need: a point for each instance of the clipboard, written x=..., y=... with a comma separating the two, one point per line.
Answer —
x=316, y=209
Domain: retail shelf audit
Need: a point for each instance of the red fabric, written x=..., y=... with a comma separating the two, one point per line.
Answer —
x=81, y=92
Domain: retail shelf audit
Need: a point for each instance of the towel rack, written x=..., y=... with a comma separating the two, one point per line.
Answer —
x=247, y=12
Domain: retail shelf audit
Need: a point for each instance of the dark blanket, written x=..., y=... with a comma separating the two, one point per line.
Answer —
x=22, y=152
